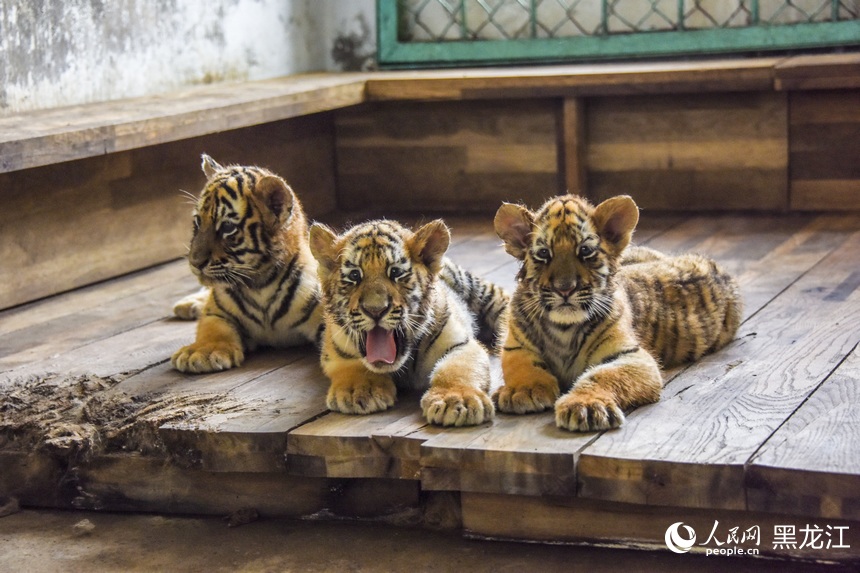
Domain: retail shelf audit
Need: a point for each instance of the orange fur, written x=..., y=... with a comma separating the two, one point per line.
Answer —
x=251, y=252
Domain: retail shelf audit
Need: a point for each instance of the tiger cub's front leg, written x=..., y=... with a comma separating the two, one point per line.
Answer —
x=190, y=307
x=458, y=388
x=598, y=397
x=354, y=389
x=218, y=346
x=529, y=386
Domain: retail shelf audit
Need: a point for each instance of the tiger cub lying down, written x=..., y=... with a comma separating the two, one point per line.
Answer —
x=392, y=321
x=250, y=249
x=590, y=320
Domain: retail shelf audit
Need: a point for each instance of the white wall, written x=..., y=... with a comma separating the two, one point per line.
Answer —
x=62, y=52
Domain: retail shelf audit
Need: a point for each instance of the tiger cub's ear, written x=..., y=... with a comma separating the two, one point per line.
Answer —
x=513, y=225
x=616, y=219
x=429, y=243
x=210, y=166
x=274, y=193
x=323, y=248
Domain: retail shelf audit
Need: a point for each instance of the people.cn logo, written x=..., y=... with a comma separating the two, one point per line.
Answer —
x=676, y=542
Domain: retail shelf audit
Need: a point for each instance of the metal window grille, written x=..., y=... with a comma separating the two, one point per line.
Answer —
x=455, y=31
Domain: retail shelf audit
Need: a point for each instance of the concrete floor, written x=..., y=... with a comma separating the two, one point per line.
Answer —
x=34, y=541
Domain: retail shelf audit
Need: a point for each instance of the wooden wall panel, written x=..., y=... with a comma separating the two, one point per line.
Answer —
x=825, y=150
x=71, y=224
x=447, y=156
x=690, y=152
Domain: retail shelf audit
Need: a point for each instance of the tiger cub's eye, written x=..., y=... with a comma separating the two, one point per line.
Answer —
x=395, y=272
x=227, y=228
x=543, y=254
x=586, y=251
x=354, y=275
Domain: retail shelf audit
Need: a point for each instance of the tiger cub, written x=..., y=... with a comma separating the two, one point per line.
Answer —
x=585, y=317
x=391, y=321
x=250, y=250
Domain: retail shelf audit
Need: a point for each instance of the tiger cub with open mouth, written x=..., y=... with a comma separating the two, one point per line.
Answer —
x=392, y=321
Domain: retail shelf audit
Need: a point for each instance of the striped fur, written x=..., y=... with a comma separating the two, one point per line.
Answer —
x=586, y=315
x=684, y=306
x=250, y=251
x=486, y=301
x=379, y=278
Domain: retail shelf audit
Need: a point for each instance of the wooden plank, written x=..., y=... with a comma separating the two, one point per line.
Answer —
x=382, y=445
x=574, y=146
x=163, y=380
x=823, y=127
x=85, y=298
x=111, y=316
x=34, y=478
x=574, y=80
x=63, y=134
x=480, y=254
x=822, y=71
x=735, y=240
x=773, y=253
x=252, y=435
x=123, y=482
x=690, y=449
x=704, y=151
x=809, y=466
x=130, y=482
x=590, y=522
x=826, y=195
x=126, y=352
x=515, y=455
x=450, y=156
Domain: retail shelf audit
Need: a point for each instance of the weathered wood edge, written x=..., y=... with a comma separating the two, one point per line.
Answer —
x=40, y=138
x=576, y=521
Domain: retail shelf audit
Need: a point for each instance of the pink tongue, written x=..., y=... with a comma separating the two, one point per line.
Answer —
x=380, y=346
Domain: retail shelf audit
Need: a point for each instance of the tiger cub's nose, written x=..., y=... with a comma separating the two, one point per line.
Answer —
x=564, y=288
x=376, y=311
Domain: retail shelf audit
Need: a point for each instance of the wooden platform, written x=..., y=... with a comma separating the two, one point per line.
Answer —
x=765, y=432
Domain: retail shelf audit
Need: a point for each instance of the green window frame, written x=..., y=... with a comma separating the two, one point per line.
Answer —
x=461, y=46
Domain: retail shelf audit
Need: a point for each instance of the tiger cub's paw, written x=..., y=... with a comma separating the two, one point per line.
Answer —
x=587, y=411
x=207, y=357
x=523, y=399
x=461, y=406
x=191, y=307
x=363, y=396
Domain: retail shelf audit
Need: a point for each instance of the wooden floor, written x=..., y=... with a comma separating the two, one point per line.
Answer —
x=765, y=432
